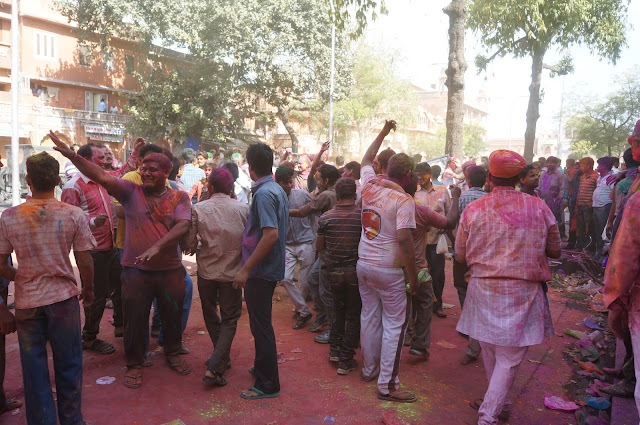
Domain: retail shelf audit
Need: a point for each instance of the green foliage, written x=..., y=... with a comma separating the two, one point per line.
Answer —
x=473, y=137
x=582, y=148
x=602, y=126
x=375, y=95
x=428, y=145
x=237, y=54
x=355, y=14
x=517, y=27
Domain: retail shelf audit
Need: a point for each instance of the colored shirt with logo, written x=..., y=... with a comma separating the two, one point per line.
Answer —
x=386, y=208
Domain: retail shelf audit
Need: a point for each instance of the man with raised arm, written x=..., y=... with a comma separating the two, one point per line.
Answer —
x=41, y=232
x=386, y=246
x=157, y=217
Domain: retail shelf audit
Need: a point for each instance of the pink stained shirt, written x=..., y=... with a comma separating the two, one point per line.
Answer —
x=42, y=232
x=386, y=208
x=93, y=200
x=438, y=199
x=622, y=275
x=148, y=219
x=504, y=237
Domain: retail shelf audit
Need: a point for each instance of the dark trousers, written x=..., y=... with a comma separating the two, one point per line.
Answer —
x=139, y=288
x=106, y=283
x=436, y=264
x=344, y=337
x=3, y=397
x=222, y=327
x=60, y=324
x=320, y=292
x=459, y=281
x=584, y=226
x=258, y=294
x=600, y=218
x=422, y=310
x=572, y=224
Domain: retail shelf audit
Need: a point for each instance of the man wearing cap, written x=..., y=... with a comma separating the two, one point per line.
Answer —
x=505, y=238
x=464, y=185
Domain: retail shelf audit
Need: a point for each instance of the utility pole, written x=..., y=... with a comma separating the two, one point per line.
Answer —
x=333, y=60
x=15, y=82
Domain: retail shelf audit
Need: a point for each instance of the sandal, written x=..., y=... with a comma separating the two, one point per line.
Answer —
x=10, y=405
x=475, y=404
x=259, y=394
x=399, y=396
x=252, y=370
x=217, y=380
x=179, y=365
x=98, y=346
x=133, y=378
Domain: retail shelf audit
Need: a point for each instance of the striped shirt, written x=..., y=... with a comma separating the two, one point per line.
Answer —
x=588, y=183
x=341, y=228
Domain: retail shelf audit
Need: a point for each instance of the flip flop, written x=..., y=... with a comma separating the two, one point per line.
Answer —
x=259, y=394
x=217, y=380
x=179, y=365
x=399, y=396
x=98, y=346
x=10, y=405
x=133, y=378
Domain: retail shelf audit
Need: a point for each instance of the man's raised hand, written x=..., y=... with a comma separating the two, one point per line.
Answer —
x=61, y=146
x=325, y=147
x=140, y=142
x=389, y=125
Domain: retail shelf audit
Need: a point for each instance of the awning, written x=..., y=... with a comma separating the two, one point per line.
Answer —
x=236, y=143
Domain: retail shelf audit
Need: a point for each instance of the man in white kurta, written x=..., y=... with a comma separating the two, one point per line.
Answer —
x=505, y=238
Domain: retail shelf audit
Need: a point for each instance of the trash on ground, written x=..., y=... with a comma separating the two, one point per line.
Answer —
x=591, y=324
x=575, y=334
x=105, y=380
x=329, y=419
x=590, y=367
x=446, y=306
x=176, y=422
x=201, y=332
x=535, y=361
x=597, y=303
x=389, y=418
x=590, y=354
x=557, y=403
x=599, y=403
x=281, y=358
x=296, y=350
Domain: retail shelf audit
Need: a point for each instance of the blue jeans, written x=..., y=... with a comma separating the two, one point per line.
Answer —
x=60, y=323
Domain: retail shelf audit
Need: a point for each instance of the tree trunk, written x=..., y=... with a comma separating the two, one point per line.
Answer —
x=284, y=117
x=533, y=110
x=457, y=12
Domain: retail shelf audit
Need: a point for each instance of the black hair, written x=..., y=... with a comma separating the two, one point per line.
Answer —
x=346, y=189
x=399, y=166
x=330, y=173
x=174, y=171
x=354, y=167
x=500, y=181
x=423, y=168
x=233, y=169
x=525, y=171
x=477, y=176
x=435, y=172
x=149, y=148
x=86, y=151
x=412, y=185
x=383, y=158
x=43, y=171
x=283, y=173
x=260, y=159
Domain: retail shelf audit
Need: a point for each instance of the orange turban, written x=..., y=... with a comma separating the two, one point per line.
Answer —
x=506, y=164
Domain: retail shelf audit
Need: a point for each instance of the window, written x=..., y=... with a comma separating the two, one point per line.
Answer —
x=107, y=60
x=129, y=64
x=92, y=102
x=45, y=45
x=84, y=55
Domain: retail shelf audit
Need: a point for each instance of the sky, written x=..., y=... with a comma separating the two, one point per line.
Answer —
x=417, y=31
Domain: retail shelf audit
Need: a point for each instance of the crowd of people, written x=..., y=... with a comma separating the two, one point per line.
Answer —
x=365, y=242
